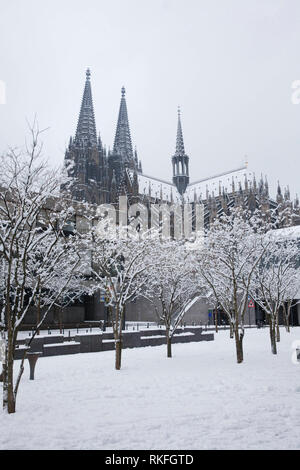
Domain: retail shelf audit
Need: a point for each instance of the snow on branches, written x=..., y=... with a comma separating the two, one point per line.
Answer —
x=232, y=249
x=119, y=260
x=37, y=258
x=276, y=278
x=171, y=285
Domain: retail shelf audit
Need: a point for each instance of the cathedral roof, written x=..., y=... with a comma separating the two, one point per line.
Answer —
x=229, y=181
x=156, y=188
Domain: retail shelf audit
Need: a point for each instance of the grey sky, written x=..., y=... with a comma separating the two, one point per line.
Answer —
x=229, y=64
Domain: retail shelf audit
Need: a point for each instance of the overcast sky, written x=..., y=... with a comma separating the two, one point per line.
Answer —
x=229, y=64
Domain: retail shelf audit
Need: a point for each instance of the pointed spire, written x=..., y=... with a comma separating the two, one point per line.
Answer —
x=86, y=127
x=122, y=144
x=266, y=186
x=278, y=188
x=179, y=139
x=233, y=185
x=246, y=182
x=261, y=185
x=287, y=195
x=180, y=161
x=279, y=197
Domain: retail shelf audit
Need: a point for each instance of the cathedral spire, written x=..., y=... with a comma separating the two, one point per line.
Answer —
x=180, y=161
x=122, y=144
x=86, y=127
x=179, y=138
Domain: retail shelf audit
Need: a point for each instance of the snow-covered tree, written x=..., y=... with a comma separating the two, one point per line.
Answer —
x=120, y=258
x=33, y=246
x=172, y=285
x=276, y=277
x=231, y=251
x=50, y=274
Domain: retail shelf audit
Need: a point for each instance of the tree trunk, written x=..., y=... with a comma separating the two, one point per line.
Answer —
x=277, y=329
x=239, y=346
x=9, y=402
x=273, y=336
x=119, y=320
x=169, y=346
x=38, y=317
x=118, y=353
x=38, y=311
x=231, y=330
x=287, y=312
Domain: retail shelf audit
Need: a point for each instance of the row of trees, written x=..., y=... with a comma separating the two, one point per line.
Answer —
x=42, y=265
x=244, y=257
x=239, y=258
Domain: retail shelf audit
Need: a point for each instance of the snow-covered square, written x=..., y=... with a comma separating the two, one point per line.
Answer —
x=199, y=399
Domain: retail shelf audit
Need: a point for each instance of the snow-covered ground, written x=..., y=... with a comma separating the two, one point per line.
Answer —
x=199, y=399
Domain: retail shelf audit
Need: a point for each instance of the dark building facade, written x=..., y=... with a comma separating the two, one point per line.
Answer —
x=101, y=176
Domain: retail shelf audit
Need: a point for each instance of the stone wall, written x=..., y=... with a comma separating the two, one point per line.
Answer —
x=56, y=345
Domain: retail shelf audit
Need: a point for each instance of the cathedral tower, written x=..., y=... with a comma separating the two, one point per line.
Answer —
x=122, y=155
x=87, y=157
x=180, y=161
